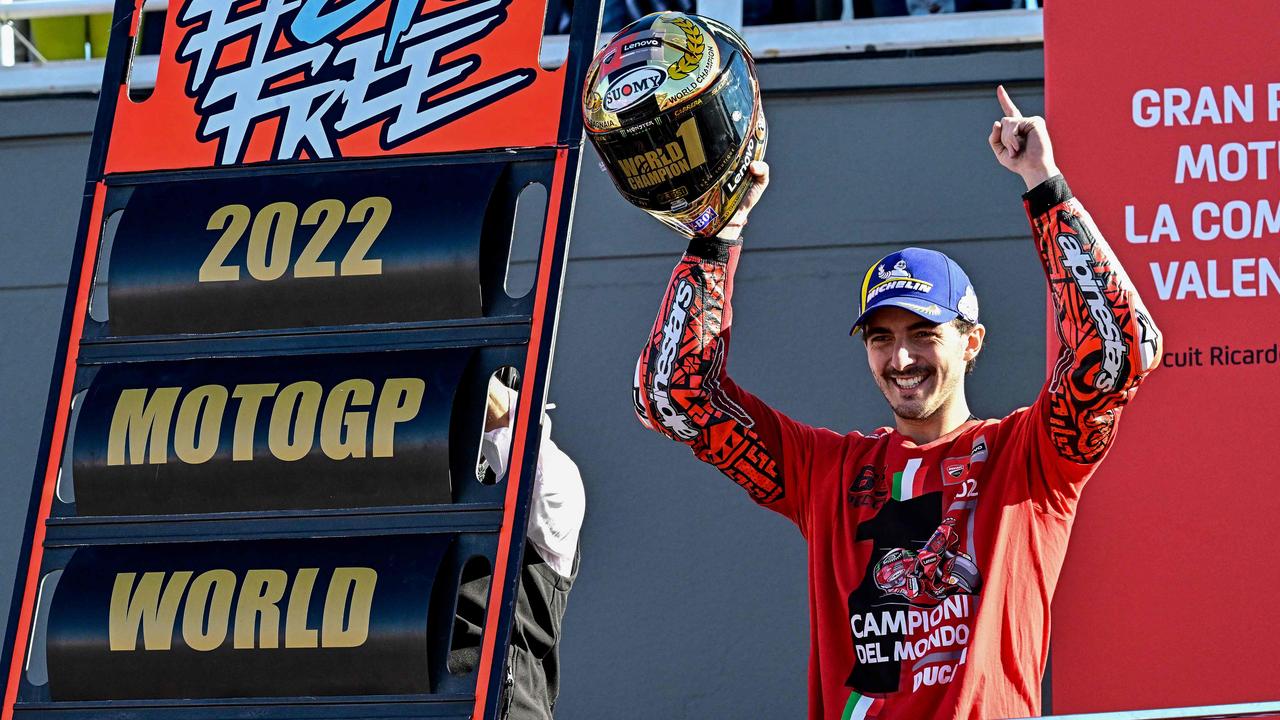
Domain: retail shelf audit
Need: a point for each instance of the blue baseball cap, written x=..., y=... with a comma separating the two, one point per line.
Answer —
x=926, y=282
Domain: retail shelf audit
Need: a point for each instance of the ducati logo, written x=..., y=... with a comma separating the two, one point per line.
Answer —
x=955, y=469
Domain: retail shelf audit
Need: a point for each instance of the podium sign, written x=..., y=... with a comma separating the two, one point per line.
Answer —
x=257, y=487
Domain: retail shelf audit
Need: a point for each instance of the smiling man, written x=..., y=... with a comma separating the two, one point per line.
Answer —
x=934, y=546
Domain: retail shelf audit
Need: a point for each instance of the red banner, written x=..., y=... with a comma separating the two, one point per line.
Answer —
x=263, y=80
x=1166, y=121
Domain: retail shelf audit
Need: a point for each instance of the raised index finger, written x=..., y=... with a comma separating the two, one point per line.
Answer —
x=1006, y=103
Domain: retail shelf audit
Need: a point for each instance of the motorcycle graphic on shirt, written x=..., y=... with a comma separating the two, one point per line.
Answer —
x=910, y=615
x=935, y=571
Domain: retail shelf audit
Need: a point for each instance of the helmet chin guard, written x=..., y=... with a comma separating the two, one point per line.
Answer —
x=672, y=106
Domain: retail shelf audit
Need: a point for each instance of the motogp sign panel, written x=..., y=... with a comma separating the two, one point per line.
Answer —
x=1189, y=93
x=281, y=433
x=281, y=80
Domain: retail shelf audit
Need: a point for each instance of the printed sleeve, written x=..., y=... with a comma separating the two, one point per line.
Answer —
x=1108, y=345
x=682, y=389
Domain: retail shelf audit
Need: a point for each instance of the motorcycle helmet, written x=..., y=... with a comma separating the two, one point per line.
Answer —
x=672, y=106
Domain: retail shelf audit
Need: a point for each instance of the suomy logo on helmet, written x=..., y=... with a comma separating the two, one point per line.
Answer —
x=633, y=87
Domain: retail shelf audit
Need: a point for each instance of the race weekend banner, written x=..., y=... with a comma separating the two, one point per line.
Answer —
x=1166, y=122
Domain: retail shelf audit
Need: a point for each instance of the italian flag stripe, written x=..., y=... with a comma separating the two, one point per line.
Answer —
x=857, y=707
x=904, y=483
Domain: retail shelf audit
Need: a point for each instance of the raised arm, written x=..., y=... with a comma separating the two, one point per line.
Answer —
x=683, y=391
x=1109, y=342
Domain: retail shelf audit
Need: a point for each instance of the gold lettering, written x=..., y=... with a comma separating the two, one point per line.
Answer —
x=400, y=401
x=337, y=418
x=251, y=397
x=293, y=420
x=141, y=427
x=211, y=591
x=273, y=226
x=296, y=632
x=374, y=212
x=261, y=590
x=692, y=139
x=233, y=219
x=147, y=607
x=152, y=608
x=204, y=407
x=350, y=595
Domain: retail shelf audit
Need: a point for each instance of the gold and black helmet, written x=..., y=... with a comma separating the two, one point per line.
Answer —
x=672, y=105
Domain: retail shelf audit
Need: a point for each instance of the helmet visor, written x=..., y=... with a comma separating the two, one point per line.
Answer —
x=665, y=163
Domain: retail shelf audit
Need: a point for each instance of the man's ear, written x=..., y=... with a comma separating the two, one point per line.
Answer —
x=973, y=342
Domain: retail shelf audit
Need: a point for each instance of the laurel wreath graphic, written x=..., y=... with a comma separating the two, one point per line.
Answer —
x=694, y=46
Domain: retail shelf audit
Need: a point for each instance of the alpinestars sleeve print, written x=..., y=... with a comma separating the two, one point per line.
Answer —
x=1108, y=343
x=683, y=391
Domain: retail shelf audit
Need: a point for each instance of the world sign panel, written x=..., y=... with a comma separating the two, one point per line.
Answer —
x=345, y=616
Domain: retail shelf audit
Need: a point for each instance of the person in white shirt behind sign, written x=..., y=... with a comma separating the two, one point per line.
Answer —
x=549, y=566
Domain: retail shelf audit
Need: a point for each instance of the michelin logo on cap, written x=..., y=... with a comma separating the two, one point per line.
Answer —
x=897, y=278
x=899, y=270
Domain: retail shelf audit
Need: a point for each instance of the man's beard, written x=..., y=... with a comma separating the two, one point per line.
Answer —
x=919, y=408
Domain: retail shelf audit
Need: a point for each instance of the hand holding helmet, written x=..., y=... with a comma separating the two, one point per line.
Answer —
x=759, y=172
x=672, y=105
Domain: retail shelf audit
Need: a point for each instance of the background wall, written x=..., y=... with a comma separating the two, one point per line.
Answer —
x=691, y=603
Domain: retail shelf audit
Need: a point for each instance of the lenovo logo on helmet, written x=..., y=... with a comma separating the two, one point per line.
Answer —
x=748, y=154
x=633, y=87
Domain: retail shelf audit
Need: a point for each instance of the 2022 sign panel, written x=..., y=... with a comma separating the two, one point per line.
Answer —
x=316, y=249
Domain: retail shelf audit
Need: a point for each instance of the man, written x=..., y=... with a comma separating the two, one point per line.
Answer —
x=548, y=569
x=933, y=546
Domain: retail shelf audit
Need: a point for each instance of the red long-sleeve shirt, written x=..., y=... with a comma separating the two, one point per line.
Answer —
x=931, y=567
